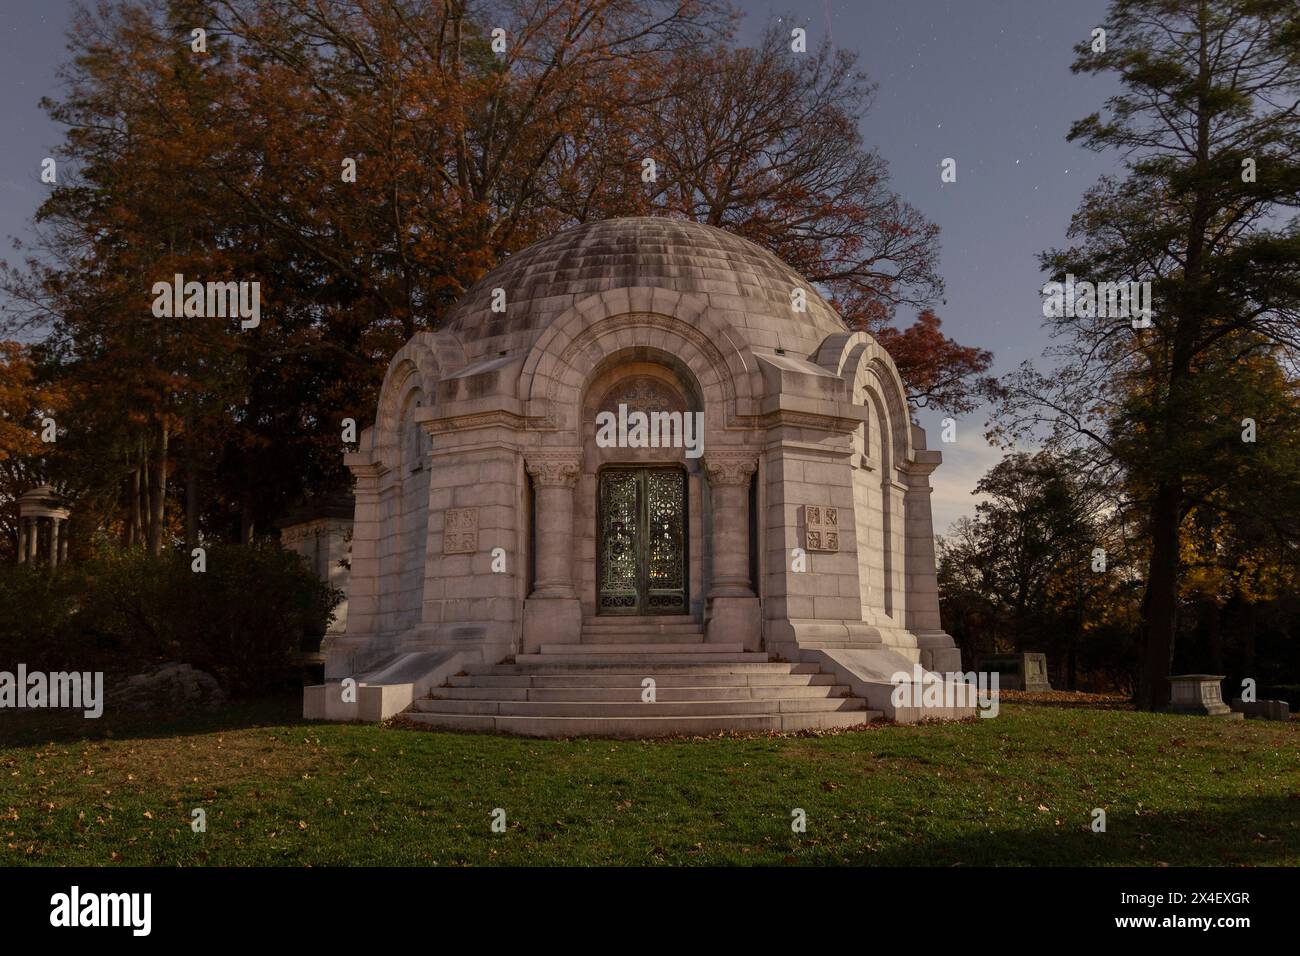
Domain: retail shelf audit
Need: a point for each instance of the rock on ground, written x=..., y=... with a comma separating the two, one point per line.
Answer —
x=169, y=686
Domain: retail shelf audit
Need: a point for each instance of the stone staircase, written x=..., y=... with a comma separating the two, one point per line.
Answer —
x=595, y=688
x=661, y=629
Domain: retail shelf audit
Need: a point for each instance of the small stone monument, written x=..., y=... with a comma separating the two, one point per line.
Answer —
x=1017, y=671
x=1033, y=672
x=1198, y=694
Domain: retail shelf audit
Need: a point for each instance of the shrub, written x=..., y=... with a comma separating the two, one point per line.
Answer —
x=242, y=619
x=35, y=626
x=120, y=609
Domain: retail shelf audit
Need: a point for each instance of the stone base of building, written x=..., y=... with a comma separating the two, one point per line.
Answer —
x=734, y=620
x=551, y=620
x=381, y=693
x=597, y=685
x=939, y=653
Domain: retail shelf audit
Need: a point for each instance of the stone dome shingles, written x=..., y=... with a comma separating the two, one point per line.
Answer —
x=747, y=285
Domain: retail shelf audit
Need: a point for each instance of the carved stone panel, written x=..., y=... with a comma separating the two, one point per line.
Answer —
x=460, y=531
x=821, y=528
x=643, y=393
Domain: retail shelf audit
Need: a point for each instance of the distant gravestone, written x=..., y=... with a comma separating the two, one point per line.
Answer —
x=1262, y=709
x=1033, y=672
x=1198, y=694
x=1017, y=671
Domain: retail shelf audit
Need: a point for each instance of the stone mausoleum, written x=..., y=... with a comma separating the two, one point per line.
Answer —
x=512, y=571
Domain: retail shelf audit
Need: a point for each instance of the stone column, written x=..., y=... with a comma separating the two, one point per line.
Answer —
x=553, y=484
x=33, y=536
x=938, y=651
x=733, y=608
x=22, y=540
x=54, y=542
x=348, y=653
x=553, y=613
x=729, y=492
x=63, y=541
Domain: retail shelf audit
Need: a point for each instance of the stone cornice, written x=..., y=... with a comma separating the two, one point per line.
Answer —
x=364, y=467
x=777, y=417
x=919, y=469
x=488, y=419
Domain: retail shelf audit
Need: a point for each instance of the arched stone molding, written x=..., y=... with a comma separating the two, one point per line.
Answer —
x=663, y=370
x=419, y=364
x=391, y=510
x=683, y=392
x=868, y=372
x=587, y=336
x=894, y=516
x=644, y=337
x=709, y=395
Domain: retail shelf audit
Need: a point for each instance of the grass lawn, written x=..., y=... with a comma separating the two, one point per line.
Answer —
x=1017, y=789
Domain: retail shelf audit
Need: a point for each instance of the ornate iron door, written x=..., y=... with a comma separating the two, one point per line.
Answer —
x=641, y=553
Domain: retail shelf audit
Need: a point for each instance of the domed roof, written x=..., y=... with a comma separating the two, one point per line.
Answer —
x=746, y=284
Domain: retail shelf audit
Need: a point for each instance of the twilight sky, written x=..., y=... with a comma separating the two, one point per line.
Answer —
x=986, y=82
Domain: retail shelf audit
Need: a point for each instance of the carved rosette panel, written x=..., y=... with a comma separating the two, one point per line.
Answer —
x=460, y=531
x=821, y=528
x=554, y=472
x=729, y=470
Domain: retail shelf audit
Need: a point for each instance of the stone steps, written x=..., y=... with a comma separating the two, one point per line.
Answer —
x=643, y=726
x=643, y=667
x=641, y=637
x=618, y=622
x=625, y=657
x=609, y=677
x=685, y=708
x=682, y=627
x=839, y=645
x=657, y=629
x=563, y=693
x=759, y=692
x=642, y=650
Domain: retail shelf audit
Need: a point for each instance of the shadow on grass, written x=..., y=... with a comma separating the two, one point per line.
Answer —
x=1252, y=831
x=1068, y=700
x=26, y=728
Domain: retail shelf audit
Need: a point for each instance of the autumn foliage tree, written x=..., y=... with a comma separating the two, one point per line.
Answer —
x=767, y=144
x=366, y=161
x=27, y=401
x=1207, y=121
x=1023, y=575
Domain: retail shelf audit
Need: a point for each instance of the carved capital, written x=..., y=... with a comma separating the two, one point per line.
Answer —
x=733, y=469
x=554, y=470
